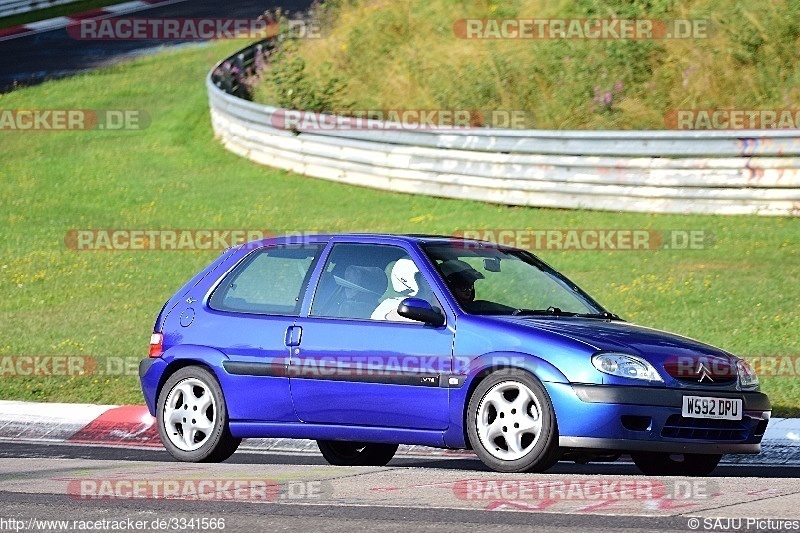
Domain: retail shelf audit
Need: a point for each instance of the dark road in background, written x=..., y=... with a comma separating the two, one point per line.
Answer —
x=55, y=54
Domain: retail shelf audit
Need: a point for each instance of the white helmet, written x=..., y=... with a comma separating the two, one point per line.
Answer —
x=403, y=277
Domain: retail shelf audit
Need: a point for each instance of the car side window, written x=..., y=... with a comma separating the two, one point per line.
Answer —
x=368, y=281
x=268, y=282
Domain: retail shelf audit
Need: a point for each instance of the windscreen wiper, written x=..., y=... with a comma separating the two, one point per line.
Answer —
x=605, y=314
x=555, y=311
x=550, y=311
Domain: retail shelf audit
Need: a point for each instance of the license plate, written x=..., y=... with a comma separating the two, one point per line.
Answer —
x=716, y=408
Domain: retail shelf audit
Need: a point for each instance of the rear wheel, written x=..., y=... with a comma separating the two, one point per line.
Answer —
x=511, y=423
x=686, y=464
x=346, y=453
x=193, y=419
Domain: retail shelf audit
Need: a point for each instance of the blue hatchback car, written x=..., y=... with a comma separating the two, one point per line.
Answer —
x=363, y=342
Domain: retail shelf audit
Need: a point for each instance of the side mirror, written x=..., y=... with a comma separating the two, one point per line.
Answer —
x=421, y=311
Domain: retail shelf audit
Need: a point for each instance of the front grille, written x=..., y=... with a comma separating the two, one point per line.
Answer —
x=702, y=370
x=679, y=427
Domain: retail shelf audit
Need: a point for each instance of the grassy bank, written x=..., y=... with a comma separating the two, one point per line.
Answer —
x=382, y=54
x=741, y=293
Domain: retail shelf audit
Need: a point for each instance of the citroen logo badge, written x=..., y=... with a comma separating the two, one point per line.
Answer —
x=703, y=372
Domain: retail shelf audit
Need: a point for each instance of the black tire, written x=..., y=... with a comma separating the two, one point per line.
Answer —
x=540, y=450
x=346, y=453
x=664, y=464
x=217, y=443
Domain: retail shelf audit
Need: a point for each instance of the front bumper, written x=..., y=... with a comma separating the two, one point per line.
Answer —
x=626, y=419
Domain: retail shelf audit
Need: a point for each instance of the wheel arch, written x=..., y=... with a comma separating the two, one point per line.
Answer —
x=488, y=364
x=186, y=355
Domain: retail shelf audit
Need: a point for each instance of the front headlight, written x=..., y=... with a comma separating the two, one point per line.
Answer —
x=625, y=366
x=747, y=376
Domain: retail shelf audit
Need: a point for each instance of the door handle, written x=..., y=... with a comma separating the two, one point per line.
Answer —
x=293, y=334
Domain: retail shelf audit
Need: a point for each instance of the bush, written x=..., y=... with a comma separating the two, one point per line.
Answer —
x=289, y=84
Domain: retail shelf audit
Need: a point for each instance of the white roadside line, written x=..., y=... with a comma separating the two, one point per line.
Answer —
x=57, y=23
x=47, y=24
x=127, y=7
x=71, y=412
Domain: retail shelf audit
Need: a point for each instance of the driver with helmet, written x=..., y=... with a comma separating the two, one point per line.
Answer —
x=461, y=278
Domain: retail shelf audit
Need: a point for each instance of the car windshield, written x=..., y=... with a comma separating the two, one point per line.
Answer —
x=491, y=280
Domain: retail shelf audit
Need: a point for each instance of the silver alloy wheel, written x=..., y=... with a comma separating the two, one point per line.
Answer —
x=509, y=420
x=190, y=414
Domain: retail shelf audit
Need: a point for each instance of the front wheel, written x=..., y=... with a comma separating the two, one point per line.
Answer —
x=192, y=417
x=664, y=464
x=511, y=423
x=345, y=453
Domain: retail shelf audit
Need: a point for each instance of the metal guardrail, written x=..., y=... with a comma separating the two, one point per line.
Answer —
x=713, y=172
x=15, y=7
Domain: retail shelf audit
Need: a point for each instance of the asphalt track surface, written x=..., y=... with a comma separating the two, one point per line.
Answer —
x=41, y=481
x=54, y=54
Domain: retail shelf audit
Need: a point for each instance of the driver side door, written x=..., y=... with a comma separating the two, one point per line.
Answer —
x=349, y=368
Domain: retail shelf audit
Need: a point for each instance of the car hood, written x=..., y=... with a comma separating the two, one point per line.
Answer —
x=612, y=335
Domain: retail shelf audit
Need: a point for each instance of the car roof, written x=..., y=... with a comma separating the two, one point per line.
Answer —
x=420, y=238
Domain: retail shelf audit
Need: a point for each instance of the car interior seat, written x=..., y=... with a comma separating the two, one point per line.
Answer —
x=363, y=288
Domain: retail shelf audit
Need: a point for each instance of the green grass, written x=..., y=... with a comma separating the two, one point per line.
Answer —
x=55, y=11
x=741, y=294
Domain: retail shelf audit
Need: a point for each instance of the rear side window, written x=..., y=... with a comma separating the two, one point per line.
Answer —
x=268, y=282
